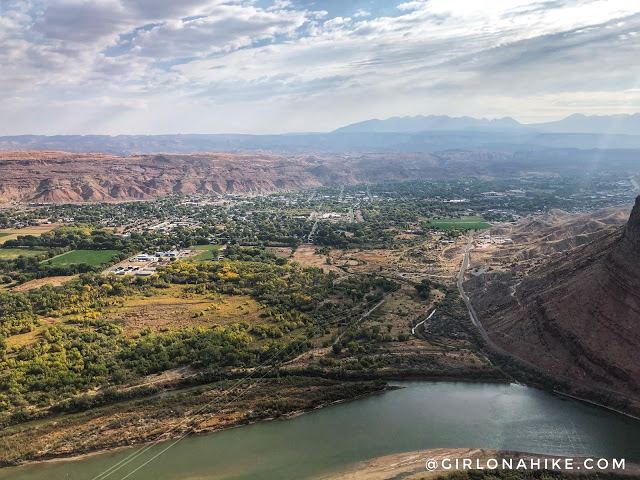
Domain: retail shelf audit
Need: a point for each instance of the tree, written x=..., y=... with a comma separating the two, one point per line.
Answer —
x=424, y=288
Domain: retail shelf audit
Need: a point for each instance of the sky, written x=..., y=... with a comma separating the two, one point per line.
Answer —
x=275, y=66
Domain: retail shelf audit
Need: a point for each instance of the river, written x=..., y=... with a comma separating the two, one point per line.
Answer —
x=420, y=416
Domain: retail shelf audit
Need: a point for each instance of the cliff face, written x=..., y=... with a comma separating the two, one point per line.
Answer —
x=577, y=314
x=61, y=177
x=631, y=239
x=51, y=176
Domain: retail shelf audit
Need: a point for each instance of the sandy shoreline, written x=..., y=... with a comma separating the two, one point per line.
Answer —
x=412, y=465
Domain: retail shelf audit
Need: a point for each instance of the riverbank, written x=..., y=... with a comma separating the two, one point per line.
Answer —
x=596, y=404
x=195, y=411
x=421, y=415
x=413, y=465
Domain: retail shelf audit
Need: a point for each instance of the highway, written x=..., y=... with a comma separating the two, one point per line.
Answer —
x=472, y=312
x=483, y=332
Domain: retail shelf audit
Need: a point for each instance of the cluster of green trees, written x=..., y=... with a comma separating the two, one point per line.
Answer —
x=25, y=268
x=84, y=350
x=20, y=312
x=77, y=237
x=369, y=287
x=424, y=288
x=61, y=240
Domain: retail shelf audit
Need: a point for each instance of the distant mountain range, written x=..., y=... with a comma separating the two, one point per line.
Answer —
x=608, y=124
x=394, y=135
x=576, y=123
x=429, y=124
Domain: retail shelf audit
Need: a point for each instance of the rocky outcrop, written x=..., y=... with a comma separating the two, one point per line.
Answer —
x=577, y=313
x=61, y=177
x=631, y=239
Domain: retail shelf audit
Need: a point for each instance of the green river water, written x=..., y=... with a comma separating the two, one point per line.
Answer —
x=422, y=415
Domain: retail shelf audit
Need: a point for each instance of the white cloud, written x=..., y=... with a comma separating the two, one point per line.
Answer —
x=225, y=28
x=152, y=58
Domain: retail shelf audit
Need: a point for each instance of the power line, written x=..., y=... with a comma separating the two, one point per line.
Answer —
x=107, y=473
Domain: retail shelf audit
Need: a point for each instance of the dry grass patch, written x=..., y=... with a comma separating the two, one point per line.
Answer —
x=280, y=252
x=403, y=307
x=37, y=230
x=169, y=312
x=39, y=282
x=306, y=255
x=376, y=256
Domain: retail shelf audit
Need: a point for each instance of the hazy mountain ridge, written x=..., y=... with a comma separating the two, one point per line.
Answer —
x=620, y=124
x=394, y=135
x=423, y=123
x=339, y=143
x=578, y=123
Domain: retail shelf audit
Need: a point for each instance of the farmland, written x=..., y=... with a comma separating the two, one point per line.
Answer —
x=209, y=252
x=90, y=257
x=35, y=230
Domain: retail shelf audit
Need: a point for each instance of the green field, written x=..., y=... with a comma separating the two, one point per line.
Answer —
x=9, y=253
x=465, y=223
x=211, y=252
x=90, y=257
x=4, y=234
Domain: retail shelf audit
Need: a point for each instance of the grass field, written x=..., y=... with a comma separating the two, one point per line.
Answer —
x=210, y=252
x=37, y=230
x=9, y=253
x=465, y=223
x=170, y=309
x=90, y=257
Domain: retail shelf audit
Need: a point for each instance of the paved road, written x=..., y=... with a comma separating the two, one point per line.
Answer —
x=472, y=312
x=481, y=329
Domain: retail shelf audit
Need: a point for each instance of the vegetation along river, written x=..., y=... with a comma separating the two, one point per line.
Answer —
x=422, y=415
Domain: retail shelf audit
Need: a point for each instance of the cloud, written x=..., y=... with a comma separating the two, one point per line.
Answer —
x=496, y=57
x=361, y=13
x=224, y=29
